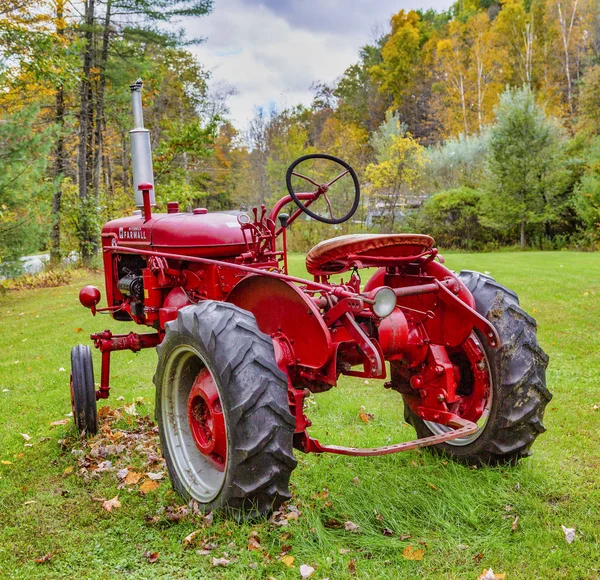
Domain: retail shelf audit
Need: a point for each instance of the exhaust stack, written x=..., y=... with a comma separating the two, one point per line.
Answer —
x=141, y=153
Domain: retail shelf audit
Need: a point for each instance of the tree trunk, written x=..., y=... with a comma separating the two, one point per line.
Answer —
x=85, y=132
x=523, y=240
x=59, y=161
x=100, y=101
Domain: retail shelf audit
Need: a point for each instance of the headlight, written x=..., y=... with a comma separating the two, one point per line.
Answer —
x=385, y=302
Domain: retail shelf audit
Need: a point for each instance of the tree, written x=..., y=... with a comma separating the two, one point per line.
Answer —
x=525, y=164
x=397, y=171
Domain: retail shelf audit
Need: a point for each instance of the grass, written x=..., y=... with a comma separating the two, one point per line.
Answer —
x=460, y=517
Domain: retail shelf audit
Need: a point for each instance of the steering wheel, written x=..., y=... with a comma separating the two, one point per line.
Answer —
x=322, y=188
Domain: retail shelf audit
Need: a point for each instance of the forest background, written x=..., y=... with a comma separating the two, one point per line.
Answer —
x=479, y=125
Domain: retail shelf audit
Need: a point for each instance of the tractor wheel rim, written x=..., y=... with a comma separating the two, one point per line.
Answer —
x=205, y=415
x=478, y=404
x=201, y=475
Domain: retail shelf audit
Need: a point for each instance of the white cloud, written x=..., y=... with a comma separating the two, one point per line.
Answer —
x=272, y=51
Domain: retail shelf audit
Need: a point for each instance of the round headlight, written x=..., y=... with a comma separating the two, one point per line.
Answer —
x=385, y=302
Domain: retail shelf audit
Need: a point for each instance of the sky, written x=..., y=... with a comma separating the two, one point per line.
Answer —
x=271, y=51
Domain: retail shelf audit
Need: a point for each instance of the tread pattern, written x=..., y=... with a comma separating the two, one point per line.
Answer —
x=254, y=396
x=85, y=413
x=519, y=374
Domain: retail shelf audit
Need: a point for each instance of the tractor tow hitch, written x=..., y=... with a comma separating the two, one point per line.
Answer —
x=461, y=428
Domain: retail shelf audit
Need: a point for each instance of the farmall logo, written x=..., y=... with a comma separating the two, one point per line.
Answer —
x=132, y=234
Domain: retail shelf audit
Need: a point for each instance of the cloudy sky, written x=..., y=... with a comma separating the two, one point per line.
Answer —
x=273, y=50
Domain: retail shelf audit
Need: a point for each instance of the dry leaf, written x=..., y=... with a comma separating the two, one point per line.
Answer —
x=489, y=575
x=411, y=553
x=148, y=486
x=514, y=524
x=151, y=556
x=366, y=417
x=68, y=471
x=253, y=541
x=45, y=558
x=57, y=423
x=190, y=537
x=156, y=476
x=351, y=526
x=478, y=557
x=288, y=561
x=569, y=534
x=130, y=409
x=111, y=504
x=131, y=478
x=78, y=329
x=292, y=515
x=352, y=566
x=4, y=462
x=122, y=473
x=220, y=562
x=387, y=532
x=26, y=437
x=355, y=480
x=433, y=486
x=344, y=551
x=306, y=571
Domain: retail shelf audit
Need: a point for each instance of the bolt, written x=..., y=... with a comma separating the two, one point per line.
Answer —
x=481, y=365
x=387, y=385
x=441, y=398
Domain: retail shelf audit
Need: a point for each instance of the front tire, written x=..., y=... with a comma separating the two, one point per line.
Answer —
x=517, y=373
x=222, y=411
x=83, y=390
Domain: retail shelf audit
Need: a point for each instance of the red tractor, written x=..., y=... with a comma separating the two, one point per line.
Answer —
x=241, y=343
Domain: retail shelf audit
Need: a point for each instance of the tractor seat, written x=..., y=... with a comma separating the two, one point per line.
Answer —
x=337, y=254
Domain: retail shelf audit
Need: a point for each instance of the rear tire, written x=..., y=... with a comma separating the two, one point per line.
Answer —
x=252, y=395
x=518, y=379
x=83, y=390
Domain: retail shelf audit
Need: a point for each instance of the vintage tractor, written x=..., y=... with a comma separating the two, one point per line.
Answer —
x=241, y=343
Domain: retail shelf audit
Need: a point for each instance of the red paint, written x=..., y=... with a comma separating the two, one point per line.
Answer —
x=320, y=330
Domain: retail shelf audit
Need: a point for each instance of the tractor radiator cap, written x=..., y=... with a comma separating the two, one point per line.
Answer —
x=200, y=211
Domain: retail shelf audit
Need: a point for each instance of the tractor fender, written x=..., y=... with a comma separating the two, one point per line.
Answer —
x=280, y=306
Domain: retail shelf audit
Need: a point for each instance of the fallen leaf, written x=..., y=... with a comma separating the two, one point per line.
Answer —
x=514, y=524
x=190, y=537
x=45, y=558
x=569, y=534
x=306, y=571
x=148, y=486
x=78, y=329
x=57, y=423
x=61, y=370
x=156, y=476
x=111, y=504
x=478, y=557
x=151, y=556
x=30, y=502
x=68, y=470
x=253, y=541
x=333, y=523
x=4, y=462
x=130, y=409
x=405, y=537
x=220, y=562
x=489, y=575
x=387, y=532
x=131, y=478
x=203, y=552
x=288, y=561
x=411, y=553
x=351, y=526
x=355, y=481
x=292, y=515
x=433, y=487
x=322, y=494
x=344, y=551
x=352, y=566
x=366, y=417
x=122, y=473
x=26, y=437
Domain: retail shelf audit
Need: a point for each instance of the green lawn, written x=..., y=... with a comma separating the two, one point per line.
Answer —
x=460, y=517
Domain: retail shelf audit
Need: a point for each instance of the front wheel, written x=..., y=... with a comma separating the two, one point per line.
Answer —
x=83, y=390
x=222, y=411
x=502, y=389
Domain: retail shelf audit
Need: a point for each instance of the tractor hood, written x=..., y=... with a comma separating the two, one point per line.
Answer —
x=194, y=234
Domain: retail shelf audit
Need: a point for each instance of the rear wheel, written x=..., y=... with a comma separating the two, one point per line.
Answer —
x=83, y=390
x=503, y=390
x=222, y=410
